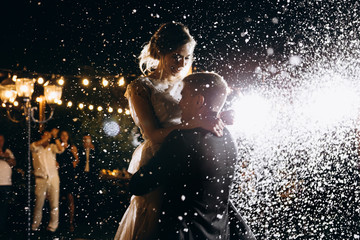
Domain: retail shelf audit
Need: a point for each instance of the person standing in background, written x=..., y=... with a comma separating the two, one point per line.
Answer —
x=46, y=178
x=87, y=172
x=7, y=162
x=87, y=168
x=67, y=161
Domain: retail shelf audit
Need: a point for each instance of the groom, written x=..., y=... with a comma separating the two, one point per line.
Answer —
x=195, y=169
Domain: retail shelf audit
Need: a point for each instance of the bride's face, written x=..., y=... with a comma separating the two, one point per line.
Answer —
x=176, y=64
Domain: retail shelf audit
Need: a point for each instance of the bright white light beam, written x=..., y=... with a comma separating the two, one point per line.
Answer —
x=251, y=113
x=332, y=105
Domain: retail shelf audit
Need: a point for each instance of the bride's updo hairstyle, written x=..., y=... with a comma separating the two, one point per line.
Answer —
x=169, y=37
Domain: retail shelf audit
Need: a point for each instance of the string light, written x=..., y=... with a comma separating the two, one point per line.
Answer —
x=61, y=81
x=121, y=81
x=92, y=107
x=85, y=82
x=59, y=102
x=105, y=82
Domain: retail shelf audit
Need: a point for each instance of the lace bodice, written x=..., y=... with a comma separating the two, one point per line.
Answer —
x=164, y=98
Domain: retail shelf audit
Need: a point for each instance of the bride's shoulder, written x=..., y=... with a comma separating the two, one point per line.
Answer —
x=140, y=86
x=143, y=80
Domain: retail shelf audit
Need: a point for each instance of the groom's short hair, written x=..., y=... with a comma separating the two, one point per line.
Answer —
x=210, y=85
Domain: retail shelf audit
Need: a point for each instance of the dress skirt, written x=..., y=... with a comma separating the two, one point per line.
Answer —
x=140, y=221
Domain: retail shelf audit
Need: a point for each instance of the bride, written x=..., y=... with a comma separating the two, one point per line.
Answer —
x=153, y=101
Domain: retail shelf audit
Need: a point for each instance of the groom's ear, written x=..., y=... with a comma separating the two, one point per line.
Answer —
x=200, y=100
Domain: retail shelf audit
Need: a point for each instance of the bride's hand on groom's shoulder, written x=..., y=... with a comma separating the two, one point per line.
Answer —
x=212, y=124
x=216, y=126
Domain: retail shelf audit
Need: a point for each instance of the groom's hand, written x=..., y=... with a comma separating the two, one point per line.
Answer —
x=126, y=181
x=212, y=124
x=128, y=175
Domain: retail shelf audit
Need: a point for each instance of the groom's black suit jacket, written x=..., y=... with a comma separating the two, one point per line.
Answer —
x=196, y=170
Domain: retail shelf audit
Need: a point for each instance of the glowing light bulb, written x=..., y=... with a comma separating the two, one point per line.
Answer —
x=16, y=103
x=110, y=109
x=85, y=82
x=105, y=82
x=61, y=81
x=24, y=88
x=69, y=104
x=91, y=107
x=121, y=81
x=40, y=80
x=127, y=112
x=120, y=110
x=81, y=106
x=99, y=108
x=8, y=94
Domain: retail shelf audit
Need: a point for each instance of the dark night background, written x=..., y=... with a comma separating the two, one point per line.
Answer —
x=240, y=40
x=65, y=37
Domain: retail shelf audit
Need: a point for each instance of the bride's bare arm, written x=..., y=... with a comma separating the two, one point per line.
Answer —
x=146, y=119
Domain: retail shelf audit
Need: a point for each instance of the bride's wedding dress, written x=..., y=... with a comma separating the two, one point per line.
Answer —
x=141, y=217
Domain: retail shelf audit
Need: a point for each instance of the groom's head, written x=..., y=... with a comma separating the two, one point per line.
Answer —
x=203, y=94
